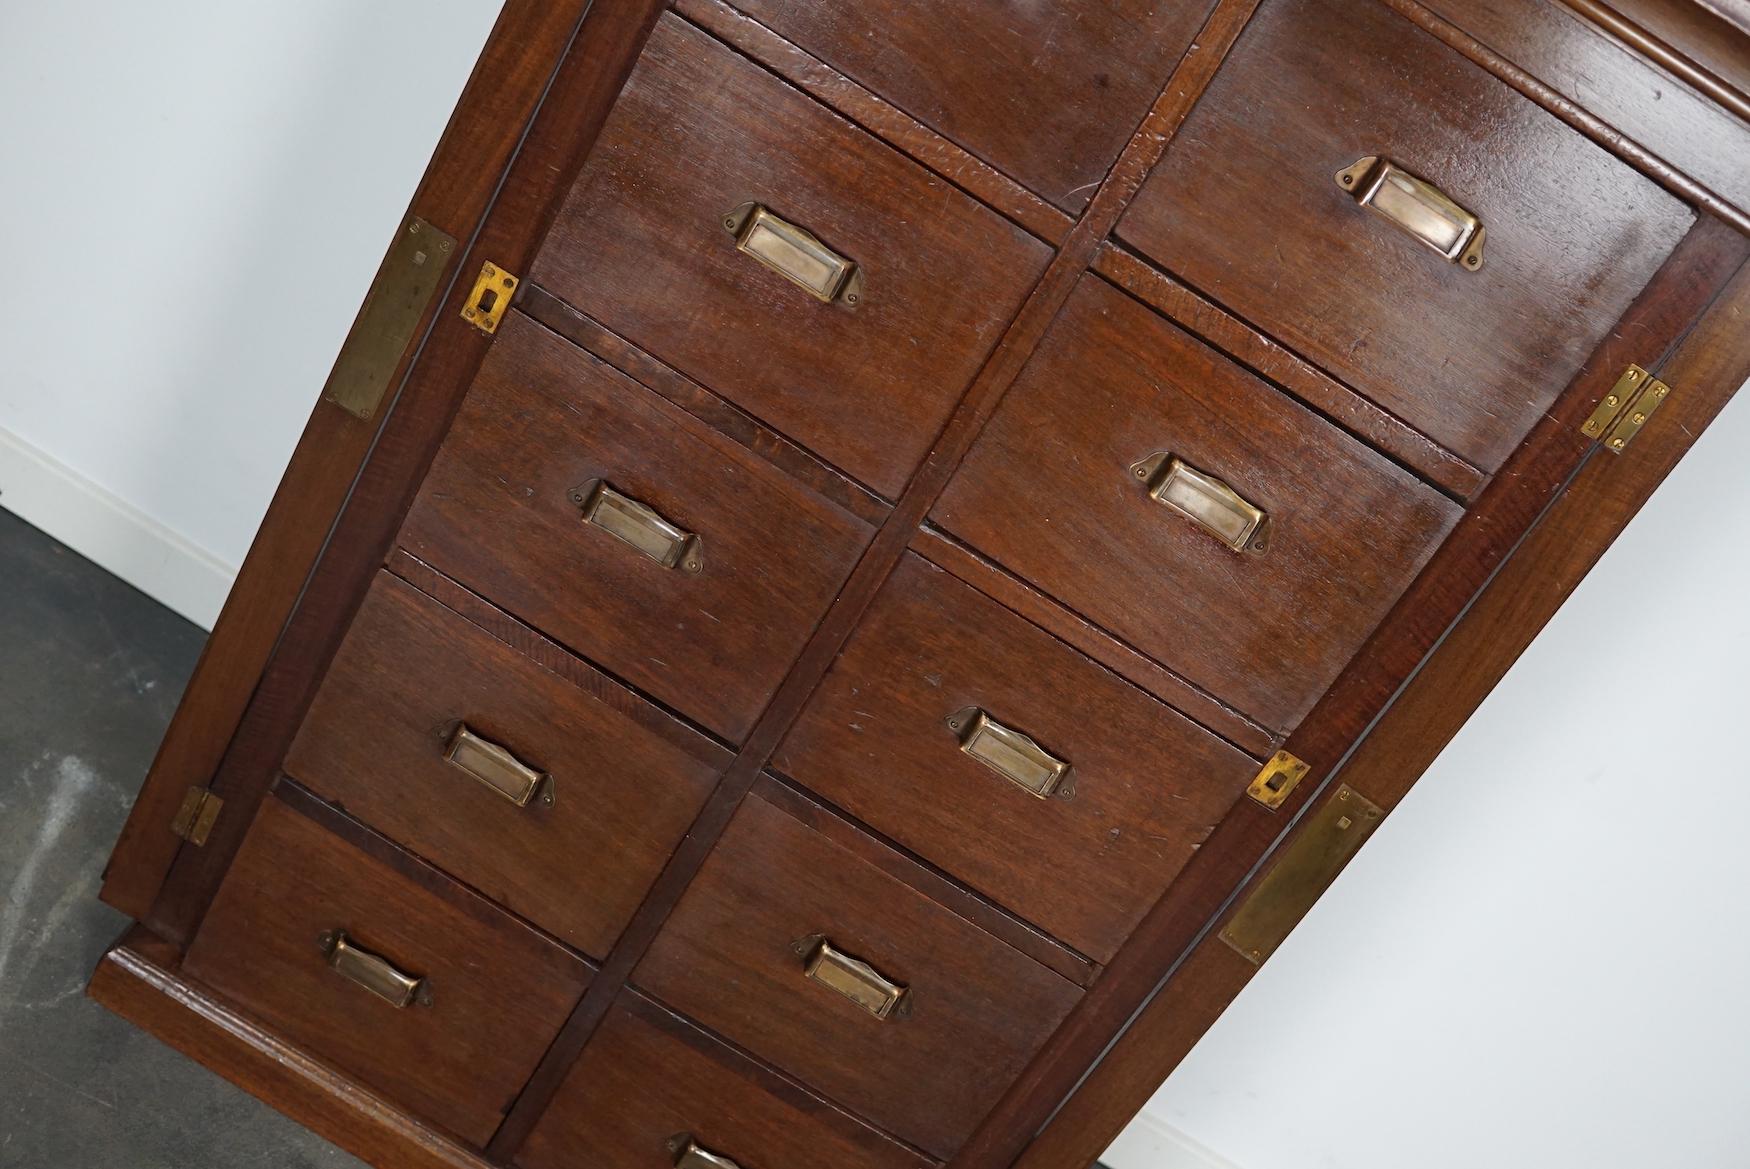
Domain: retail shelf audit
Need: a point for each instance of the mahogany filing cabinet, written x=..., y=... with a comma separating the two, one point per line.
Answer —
x=865, y=562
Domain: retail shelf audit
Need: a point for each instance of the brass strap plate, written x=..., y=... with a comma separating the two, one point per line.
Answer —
x=411, y=275
x=194, y=820
x=1304, y=869
x=1278, y=779
x=695, y=1156
x=373, y=973
x=490, y=299
x=1417, y=206
x=496, y=768
x=1625, y=409
x=855, y=979
x=1010, y=754
x=1205, y=500
x=795, y=255
x=639, y=525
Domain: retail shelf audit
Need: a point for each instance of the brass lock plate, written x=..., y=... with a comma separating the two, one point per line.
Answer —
x=493, y=291
x=410, y=277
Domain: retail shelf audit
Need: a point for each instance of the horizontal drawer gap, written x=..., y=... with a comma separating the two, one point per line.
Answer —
x=721, y=415
x=1289, y=373
x=647, y=711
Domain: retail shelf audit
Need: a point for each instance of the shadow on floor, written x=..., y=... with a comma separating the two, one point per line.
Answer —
x=90, y=672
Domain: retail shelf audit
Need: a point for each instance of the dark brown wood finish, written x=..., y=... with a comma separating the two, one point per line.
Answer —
x=718, y=413
x=1660, y=317
x=498, y=991
x=409, y=673
x=1706, y=370
x=1048, y=493
x=582, y=90
x=732, y=955
x=650, y=1079
x=1701, y=32
x=1247, y=210
x=140, y=979
x=1067, y=626
x=1667, y=113
x=1671, y=177
x=1299, y=377
x=701, y=110
x=1047, y=93
x=506, y=88
x=501, y=512
x=1189, y=80
x=641, y=247
x=1148, y=784
x=876, y=115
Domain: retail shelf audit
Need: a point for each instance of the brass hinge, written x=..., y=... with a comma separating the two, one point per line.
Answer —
x=194, y=820
x=1625, y=409
x=490, y=299
x=1278, y=779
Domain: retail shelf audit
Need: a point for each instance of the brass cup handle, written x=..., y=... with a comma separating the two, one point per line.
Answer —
x=1011, y=754
x=495, y=768
x=373, y=972
x=640, y=525
x=1204, y=500
x=1418, y=207
x=693, y=1155
x=852, y=977
x=795, y=254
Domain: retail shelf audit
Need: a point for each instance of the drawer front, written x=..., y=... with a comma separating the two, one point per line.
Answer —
x=888, y=737
x=641, y=246
x=1047, y=93
x=1248, y=207
x=493, y=993
x=1058, y=489
x=650, y=1084
x=558, y=803
x=511, y=509
x=737, y=951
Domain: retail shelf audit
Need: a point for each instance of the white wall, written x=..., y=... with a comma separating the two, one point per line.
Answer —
x=1541, y=960
x=198, y=194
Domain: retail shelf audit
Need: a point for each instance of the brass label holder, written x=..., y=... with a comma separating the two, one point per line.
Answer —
x=693, y=1155
x=1304, y=869
x=795, y=254
x=853, y=978
x=496, y=769
x=376, y=974
x=640, y=525
x=410, y=277
x=1205, y=500
x=1418, y=207
x=1011, y=754
x=1625, y=409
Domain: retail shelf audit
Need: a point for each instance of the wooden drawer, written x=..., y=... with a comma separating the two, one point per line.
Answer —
x=641, y=246
x=1247, y=206
x=1047, y=93
x=650, y=1083
x=1049, y=491
x=624, y=779
x=1145, y=786
x=503, y=510
x=498, y=992
x=734, y=952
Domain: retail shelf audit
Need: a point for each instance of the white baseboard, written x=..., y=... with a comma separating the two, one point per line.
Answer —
x=1151, y=1143
x=111, y=532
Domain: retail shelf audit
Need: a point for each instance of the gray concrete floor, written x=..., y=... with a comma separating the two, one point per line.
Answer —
x=90, y=672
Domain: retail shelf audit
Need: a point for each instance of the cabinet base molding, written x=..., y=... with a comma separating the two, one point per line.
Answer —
x=139, y=979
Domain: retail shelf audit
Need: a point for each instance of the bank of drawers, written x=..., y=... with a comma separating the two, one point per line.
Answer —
x=968, y=817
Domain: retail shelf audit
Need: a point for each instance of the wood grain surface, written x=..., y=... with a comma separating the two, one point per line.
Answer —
x=1246, y=209
x=1148, y=784
x=497, y=514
